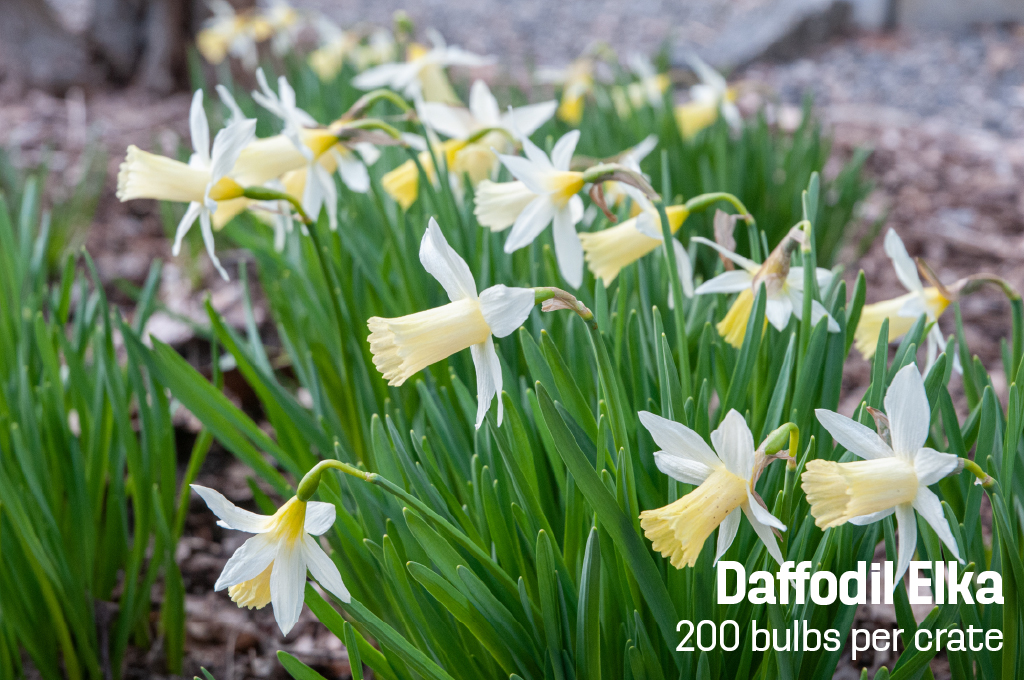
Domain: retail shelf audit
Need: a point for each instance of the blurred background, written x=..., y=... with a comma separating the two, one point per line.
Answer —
x=929, y=92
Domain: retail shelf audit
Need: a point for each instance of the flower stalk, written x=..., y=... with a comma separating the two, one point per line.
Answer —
x=554, y=299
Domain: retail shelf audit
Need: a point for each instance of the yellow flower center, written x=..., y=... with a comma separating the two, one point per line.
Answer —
x=838, y=492
x=287, y=526
x=678, y=530
x=226, y=189
x=564, y=185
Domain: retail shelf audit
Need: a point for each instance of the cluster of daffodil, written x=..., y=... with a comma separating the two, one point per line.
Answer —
x=515, y=515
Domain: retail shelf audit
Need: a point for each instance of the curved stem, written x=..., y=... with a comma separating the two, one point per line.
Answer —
x=370, y=124
x=704, y=200
x=311, y=480
x=370, y=98
x=986, y=479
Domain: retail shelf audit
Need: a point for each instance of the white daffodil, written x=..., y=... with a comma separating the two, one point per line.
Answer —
x=783, y=284
x=228, y=32
x=903, y=311
x=478, y=159
x=617, y=192
x=725, y=477
x=554, y=188
x=422, y=74
x=336, y=44
x=204, y=182
x=271, y=566
x=609, y=250
x=708, y=99
x=577, y=81
x=649, y=89
x=285, y=25
x=893, y=477
x=404, y=346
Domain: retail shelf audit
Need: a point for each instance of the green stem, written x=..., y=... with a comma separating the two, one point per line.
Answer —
x=986, y=479
x=704, y=200
x=370, y=98
x=369, y=124
x=682, y=342
x=311, y=480
x=786, y=436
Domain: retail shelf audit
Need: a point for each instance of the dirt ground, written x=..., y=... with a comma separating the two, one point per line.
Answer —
x=943, y=115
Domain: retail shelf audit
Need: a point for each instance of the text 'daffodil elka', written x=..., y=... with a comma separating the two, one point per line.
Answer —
x=554, y=189
x=784, y=286
x=904, y=310
x=404, y=346
x=204, y=182
x=725, y=477
x=893, y=476
x=270, y=567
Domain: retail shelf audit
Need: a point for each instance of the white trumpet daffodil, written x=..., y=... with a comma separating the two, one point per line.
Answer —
x=709, y=98
x=725, y=477
x=205, y=182
x=893, y=476
x=784, y=286
x=904, y=310
x=270, y=567
x=478, y=158
x=404, y=346
x=577, y=81
x=649, y=89
x=422, y=74
x=552, y=189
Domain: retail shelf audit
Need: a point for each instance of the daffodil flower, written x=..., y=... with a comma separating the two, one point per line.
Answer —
x=784, y=286
x=577, y=81
x=335, y=45
x=228, y=32
x=903, y=311
x=553, y=190
x=725, y=477
x=617, y=192
x=609, y=250
x=708, y=99
x=204, y=182
x=422, y=74
x=478, y=159
x=893, y=477
x=270, y=567
x=285, y=24
x=649, y=89
x=404, y=346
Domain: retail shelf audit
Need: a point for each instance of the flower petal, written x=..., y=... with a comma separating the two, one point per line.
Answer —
x=906, y=404
x=532, y=174
x=505, y=309
x=763, y=516
x=187, y=220
x=726, y=282
x=931, y=465
x=561, y=154
x=681, y=469
x=395, y=75
x=206, y=229
x=228, y=144
x=907, y=525
x=763, y=532
x=231, y=516
x=319, y=517
x=484, y=106
x=906, y=269
x=288, y=585
x=353, y=173
x=537, y=214
x=747, y=264
x=854, y=437
x=679, y=441
x=568, y=248
x=864, y=520
x=684, y=267
x=778, y=312
x=727, y=533
x=248, y=562
x=928, y=506
x=445, y=265
x=488, y=379
x=324, y=570
x=529, y=118
x=199, y=128
x=735, y=445
x=450, y=121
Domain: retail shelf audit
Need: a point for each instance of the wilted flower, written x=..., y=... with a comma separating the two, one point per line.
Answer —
x=404, y=346
x=271, y=566
x=725, y=477
x=203, y=182
x=554, y=188
x=893, y=477
x=783, y=284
